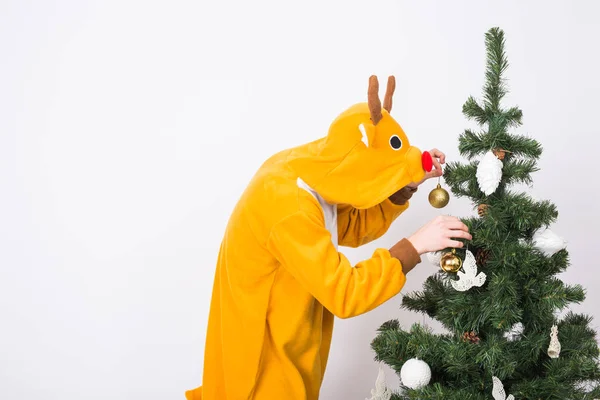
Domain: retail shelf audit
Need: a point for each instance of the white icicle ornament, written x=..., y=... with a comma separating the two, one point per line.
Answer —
x=548, y=242
x=381, y=391
x=489, y=173
x=554, y=348
x=415, y=374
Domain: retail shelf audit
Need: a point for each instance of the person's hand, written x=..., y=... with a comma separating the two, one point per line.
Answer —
x=440, y=233
x=438, y=158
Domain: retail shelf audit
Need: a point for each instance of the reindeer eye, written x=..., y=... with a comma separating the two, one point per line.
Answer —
x=395, y=142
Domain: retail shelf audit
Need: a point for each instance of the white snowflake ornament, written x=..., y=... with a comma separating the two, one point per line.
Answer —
x=381, y=391
x=415, y=374
x=515, y=332
x=554, y=348
x=489, y=173
x=548, y=242
x=470, y=277
x=498, y=391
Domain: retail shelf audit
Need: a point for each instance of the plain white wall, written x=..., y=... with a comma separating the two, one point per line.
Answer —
x=129, y=128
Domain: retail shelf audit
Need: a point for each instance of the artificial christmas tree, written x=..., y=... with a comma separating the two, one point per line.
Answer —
x=502, y=310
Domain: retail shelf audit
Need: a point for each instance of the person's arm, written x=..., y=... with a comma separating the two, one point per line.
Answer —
x=358, y=227
x=303, y=246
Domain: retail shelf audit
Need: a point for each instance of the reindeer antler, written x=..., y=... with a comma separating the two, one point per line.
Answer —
x=387, y=100
x=374, y=102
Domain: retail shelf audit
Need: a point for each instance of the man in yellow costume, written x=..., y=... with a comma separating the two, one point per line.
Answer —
x=280, y=279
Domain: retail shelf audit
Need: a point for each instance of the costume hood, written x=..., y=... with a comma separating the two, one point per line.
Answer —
x=365, y=157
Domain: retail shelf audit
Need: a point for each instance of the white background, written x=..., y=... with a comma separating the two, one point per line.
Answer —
x=128, y=129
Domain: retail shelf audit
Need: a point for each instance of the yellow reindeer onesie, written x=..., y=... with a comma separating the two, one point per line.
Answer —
x=280, y=279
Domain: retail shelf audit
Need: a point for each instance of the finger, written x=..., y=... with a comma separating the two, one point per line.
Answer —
x=458, y=234
x=434, y=173
x=457, y=226
x=438, y=154
x=442, y=158
x=454, y=243
x=437, y=165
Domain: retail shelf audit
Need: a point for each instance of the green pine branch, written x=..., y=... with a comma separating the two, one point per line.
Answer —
x=435, y=291
x=462, y=180
x=472, y=110
x=577, y=338
x=512, y=117
x=518, y=171
x=518, y=214
x=495, y=89
x=502, y=301
x=522, y=146
x=474, y=144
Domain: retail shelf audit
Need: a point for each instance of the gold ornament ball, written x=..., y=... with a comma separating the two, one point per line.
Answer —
x=450, y=262
x=439, y=197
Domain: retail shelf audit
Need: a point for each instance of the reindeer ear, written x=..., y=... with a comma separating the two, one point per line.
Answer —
x=373, y=100
x=367, y=134
x=389, y=93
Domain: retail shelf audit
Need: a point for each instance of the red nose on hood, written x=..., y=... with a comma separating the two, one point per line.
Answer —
x=427, y=161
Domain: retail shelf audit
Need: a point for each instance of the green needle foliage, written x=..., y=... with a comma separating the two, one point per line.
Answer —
x=521, y=285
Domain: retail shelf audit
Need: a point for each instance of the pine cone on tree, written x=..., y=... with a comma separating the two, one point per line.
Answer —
x=481, y=257
x=471, y=337
x=481, y=209
x=500, y=153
